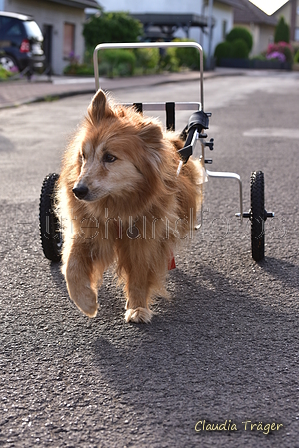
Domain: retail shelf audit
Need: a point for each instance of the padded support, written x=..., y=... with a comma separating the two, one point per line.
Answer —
x=200, y=120
x=170, y=116
x=138, y=107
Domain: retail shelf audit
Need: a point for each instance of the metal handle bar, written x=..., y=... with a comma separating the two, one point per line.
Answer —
x=148, y=45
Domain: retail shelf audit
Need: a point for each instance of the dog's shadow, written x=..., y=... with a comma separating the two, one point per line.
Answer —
x=211, y=337
x=197, y=337
x=186, y=292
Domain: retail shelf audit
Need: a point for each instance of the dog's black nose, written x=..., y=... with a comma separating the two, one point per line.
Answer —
x=80, y=192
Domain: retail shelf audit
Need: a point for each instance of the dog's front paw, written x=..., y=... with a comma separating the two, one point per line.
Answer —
x=88, y=306
x=86, y=300
x=138, y=315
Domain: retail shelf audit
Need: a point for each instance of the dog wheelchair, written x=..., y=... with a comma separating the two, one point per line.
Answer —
x=195, y=130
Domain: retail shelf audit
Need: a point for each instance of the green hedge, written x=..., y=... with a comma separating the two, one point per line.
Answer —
x=239, y=32
x=238, y=45
x=239, y=49
x=5, y=74
x=138, y=61
x=117, y=62
x=223, y=50
x=111, y=27
x=236, y=49
x=147, y=59
x=187, y=56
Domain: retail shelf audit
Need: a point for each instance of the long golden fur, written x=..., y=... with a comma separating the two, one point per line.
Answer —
x=135, y=208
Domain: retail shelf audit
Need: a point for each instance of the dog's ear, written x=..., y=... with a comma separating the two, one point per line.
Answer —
x=150, y=132
x=99, y=107
x=152, y=136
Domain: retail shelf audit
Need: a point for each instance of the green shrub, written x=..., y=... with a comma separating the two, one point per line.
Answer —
x=88, y=55
x=282, y=31
x=288, y=54
x=223, y=50
x=187, y=56
x=79, y=69
x=111, y=27
x=296, y=57
x=259, y=57
x=147, y=59
x=239, y=49
x=239, y=32
x=5, y=74
x=117, y=62
x=169, y=61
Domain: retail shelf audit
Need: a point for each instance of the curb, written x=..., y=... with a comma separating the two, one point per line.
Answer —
x=55, y=96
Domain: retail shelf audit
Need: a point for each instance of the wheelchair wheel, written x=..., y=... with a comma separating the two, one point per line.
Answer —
x=257, y=215
x=50, y=234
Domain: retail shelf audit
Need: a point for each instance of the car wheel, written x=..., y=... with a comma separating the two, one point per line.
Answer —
x=9, y=63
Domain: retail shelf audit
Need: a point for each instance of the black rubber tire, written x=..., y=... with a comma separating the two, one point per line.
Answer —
x=50, y=234
x=257, y=195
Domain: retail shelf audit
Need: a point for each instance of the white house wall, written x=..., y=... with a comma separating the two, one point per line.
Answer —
x=220, y=12
x=154, y=6
x=266, y=38
x=46, y=13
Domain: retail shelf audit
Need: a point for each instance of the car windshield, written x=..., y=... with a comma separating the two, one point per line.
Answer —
x=33, y=30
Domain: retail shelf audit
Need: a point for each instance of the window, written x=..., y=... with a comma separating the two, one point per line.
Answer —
x=69, y=40
x=11, y=27
x=15, y=30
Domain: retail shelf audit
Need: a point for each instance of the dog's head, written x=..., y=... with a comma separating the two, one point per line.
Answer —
x=120, y=153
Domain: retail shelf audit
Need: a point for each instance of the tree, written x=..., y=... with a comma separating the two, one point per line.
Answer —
x=282, y=31
x=111, y=27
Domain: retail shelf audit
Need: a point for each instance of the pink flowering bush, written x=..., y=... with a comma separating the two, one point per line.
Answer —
x=280, y=49
x=277, y=55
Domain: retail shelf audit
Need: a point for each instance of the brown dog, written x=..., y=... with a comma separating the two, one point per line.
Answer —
x=121, y=200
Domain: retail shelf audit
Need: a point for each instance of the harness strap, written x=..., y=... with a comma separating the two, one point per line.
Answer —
x=170, y=116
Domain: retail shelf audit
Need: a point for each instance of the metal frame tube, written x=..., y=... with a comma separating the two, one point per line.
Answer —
x=99, y=47
x=148, y=45
x=224, y=175
x=162, y=106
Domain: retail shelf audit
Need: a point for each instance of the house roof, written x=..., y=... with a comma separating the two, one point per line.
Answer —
x=247, y=12
x=81, y=4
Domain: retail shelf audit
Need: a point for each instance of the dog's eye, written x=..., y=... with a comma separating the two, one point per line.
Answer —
x=109, y=158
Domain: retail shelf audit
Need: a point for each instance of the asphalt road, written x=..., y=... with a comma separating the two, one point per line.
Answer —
x=224, y=349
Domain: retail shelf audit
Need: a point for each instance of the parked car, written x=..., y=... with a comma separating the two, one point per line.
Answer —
x=21, y=43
